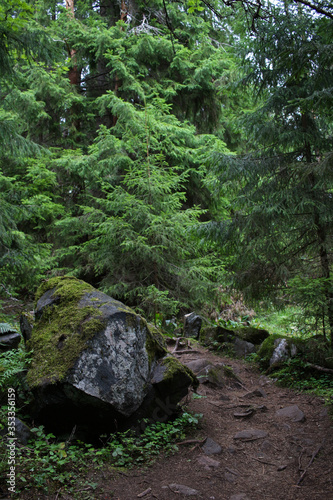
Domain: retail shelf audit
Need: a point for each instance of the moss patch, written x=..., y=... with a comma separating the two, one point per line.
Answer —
x=266, y=349
x=174, y=368
x=62, y=331
x=155, y=344
x=251, y=334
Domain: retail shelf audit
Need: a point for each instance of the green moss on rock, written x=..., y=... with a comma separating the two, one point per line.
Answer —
x=175, y=368
x=266, y=349
x=65, y=287
x=62, y=331
x=155, y=344
x=250, y=334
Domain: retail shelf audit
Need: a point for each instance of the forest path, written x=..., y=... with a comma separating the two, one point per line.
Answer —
x=282, y=456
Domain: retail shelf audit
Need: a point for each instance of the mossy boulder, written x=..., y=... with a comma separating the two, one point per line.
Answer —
x=250, y=334
x=275, y=350
x=93, y=360
x=216, y=333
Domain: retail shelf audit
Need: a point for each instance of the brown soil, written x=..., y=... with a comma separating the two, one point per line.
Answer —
x=293, y=462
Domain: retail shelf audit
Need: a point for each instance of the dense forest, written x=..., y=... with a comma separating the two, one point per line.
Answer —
x=178, y=157
x=169, y=152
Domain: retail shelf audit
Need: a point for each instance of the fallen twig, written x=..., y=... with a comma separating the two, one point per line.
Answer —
x=192, y=441
x=176, y=348
x=214, y=404
x=58, y=492
x=235, y=473
x=8, y=293
x=320, y=368
x=264, y=462
x=144, y=493
x=314, y=454
x=187, y=351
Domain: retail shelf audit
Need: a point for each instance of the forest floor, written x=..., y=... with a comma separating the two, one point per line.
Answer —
x=286, y=456
x=283, y=456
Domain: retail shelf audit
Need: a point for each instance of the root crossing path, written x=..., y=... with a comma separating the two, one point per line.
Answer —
x=256, y=441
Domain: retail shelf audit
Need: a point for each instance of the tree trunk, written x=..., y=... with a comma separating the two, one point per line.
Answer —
x=74, y=73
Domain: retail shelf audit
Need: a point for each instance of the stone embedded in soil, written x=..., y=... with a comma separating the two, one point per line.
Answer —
x=211, y=447
x=183, y=490
x=231, y=478
x=251, y=434
x=257, y=393
x=292, y=413
x=197, y=365
x=207, y=372
x=263, y=380
x=208, y=463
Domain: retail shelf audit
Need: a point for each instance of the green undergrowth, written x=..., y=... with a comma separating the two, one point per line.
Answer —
x=12, y=366
x=300, y=372
x=47, y=466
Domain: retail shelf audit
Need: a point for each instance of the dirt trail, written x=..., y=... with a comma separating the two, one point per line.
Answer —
x=290, y=459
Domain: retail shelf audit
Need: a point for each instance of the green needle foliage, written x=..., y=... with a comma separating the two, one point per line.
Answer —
x=279, y=228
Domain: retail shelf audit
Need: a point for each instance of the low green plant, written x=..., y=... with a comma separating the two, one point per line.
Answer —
x=12, y=364
x=47, y=465
x=299, y=374
x=133, y=448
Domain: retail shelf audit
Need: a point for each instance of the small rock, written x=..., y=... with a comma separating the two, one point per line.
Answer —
x=10, y=341
x=211, y=447
x=208, y=462
x=292, y=413
x=244, y=414
x=192, y=325
x=22, y=432
x=223, y=397
x=183, y=490
x=263, y=380
x=251, y=434
x=257, y=393
x=243, y=348
x=197, y=365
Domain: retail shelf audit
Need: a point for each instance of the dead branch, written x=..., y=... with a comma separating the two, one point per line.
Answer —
x=314, y=454
x=176, y=348
x=144, y=493
x=187, y=351
x=193, y=441
x=320, y=368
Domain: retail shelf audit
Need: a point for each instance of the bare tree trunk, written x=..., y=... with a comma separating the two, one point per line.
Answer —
x=74, y=73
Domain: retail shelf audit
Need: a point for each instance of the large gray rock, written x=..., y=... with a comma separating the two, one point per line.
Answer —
x=282, y=351
x=192, y=325
x=97, y=364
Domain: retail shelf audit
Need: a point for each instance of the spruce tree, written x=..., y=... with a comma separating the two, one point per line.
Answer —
x=279, y=228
